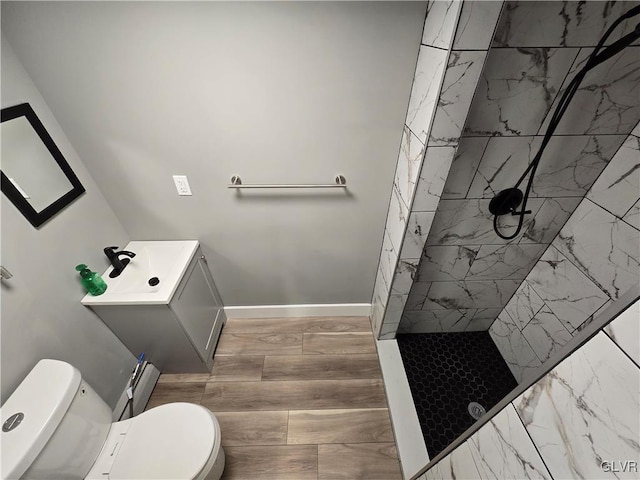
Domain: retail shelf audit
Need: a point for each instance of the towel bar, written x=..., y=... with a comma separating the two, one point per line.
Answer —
x=5, y=274
x=236, y=182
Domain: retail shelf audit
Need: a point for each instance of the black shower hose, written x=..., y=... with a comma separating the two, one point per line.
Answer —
x=595, y=59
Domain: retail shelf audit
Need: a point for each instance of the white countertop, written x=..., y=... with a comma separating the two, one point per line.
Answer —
x=167, y=260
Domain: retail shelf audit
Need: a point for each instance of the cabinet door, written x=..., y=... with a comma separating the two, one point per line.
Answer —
x=195, y=306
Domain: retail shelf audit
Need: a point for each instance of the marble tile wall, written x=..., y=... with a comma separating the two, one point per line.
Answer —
x=594, y=258
x=625, y=331
x=578, y=421
x=493, y=119
x=422, y=168
x=452, y=54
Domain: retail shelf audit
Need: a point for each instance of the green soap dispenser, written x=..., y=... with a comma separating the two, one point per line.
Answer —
x=91, y=281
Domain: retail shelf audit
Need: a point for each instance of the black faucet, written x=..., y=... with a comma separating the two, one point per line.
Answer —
x=114, y=258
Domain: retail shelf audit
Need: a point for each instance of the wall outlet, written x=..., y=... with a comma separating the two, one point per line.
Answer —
x=182, y=184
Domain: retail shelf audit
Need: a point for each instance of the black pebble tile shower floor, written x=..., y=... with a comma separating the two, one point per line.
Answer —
x=446, y=372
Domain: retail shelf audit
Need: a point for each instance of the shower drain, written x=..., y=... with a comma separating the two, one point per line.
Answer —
x=476, y=410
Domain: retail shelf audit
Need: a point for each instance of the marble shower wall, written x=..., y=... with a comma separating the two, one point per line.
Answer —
x=456, y=38
x=466, y=274
x=578, y=421
x=593, y=260
x=420, y=172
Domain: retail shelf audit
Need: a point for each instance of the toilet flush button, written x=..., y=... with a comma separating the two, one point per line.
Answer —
x=12, y=422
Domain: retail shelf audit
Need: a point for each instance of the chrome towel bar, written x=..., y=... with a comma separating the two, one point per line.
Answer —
x=5, y=274
x=236, y=182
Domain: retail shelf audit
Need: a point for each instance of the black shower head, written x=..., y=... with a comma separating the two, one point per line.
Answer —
x=506, y=201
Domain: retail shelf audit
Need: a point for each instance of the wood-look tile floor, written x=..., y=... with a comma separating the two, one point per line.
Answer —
x=296, y=398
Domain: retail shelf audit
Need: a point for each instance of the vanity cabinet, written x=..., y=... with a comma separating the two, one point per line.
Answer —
x=178, y=335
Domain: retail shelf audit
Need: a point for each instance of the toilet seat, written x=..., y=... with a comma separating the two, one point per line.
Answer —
x=173, y=441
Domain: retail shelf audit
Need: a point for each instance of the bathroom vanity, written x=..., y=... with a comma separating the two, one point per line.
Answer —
x=176, y=321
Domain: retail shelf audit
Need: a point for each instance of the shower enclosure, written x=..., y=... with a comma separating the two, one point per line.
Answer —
x=473, y=311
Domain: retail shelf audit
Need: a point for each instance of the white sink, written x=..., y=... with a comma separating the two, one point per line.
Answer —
x=166, y=260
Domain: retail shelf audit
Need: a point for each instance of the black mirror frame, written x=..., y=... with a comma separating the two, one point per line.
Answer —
x=38, y=218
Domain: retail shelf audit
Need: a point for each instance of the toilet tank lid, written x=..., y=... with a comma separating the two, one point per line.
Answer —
x=42, y=398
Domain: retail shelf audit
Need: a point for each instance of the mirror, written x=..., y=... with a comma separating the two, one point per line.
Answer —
x=35, y=175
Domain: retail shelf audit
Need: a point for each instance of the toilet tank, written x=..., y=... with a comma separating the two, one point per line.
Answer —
x=54, y=425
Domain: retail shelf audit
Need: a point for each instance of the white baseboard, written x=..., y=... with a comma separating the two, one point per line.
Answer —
x=320, y=310
x=412, y=450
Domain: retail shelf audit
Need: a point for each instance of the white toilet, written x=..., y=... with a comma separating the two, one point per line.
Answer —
x=55, y=426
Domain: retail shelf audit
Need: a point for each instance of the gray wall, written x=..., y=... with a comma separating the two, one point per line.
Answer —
x=41, y=312
x=274, y=92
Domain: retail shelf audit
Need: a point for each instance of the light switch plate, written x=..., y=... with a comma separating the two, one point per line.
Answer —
x=182, y=184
